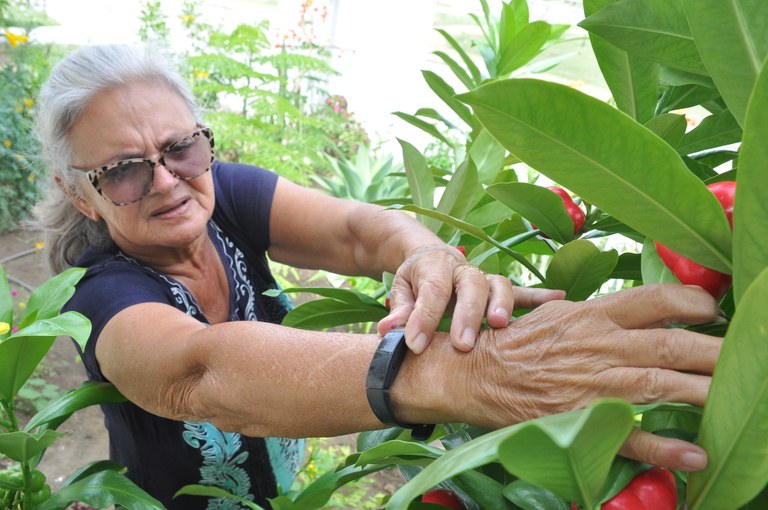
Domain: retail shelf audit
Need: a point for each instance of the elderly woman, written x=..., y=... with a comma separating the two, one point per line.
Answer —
x=175, y=247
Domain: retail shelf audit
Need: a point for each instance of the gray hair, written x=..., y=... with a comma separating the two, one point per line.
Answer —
x=73, y=83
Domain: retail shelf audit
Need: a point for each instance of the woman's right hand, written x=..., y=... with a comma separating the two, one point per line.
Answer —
x=565, y=354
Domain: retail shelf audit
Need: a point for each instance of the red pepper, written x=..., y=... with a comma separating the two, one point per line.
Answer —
x=462, y=250
x=573, y=210
x=444, y=498
x=691, y=273
x=654, y=489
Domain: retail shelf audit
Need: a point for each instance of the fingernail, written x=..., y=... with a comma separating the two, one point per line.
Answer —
x=693, y=461
x=467, y=338
x=419, y=343
x=503, y=313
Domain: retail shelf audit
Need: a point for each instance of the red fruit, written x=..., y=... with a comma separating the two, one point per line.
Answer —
x=573, y=210
x=386, y=303
x=654, y=489
x=724, y=192
x=462, y=250
x=444, y=498
x=691, y=273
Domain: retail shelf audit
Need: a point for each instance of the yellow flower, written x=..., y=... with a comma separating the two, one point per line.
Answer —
x=22, y=305
x=201, y=75
x=31, y=177
x=7, y=143
x=187, y=19
x=4, y=328
x=16, y=39
x=19, y=109
x=39, y=245
x=28, y=102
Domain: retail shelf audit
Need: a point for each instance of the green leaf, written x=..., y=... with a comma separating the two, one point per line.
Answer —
x=93, y=468
x=580, y=268
x=473, y=69
x=102, y=490
x=633, y=81
x=669, y=127
x=714, y=131
x=458, y=196
x=538, y=205
x=656, y=30
x=87, y=394
x=329, y=313
x=456, y=68
x=488, y=155
x=628, y=267
x=475, y=231
x=46, y=301
x=652, y=268
x=735, y=421
x=22, y=446
x=569, y=454
x=530, y=497
x=349, y=296
x=523, y=47
x=583, y=144
x=732, y=38
x=398, y=451
x=419, y=179
x=750, y=212
x=446, y=93
x=214, y=492
x=425, y=126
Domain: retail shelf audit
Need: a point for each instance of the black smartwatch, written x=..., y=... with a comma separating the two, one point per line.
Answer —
x=381, y=374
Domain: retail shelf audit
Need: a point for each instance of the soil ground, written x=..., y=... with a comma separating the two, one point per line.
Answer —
x=84, y=436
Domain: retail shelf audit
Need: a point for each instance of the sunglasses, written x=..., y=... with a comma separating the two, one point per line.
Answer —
x=128, y=181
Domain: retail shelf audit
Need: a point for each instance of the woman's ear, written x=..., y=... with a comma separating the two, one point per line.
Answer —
x=80, y=203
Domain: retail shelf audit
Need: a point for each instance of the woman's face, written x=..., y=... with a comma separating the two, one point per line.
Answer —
x=137, y=121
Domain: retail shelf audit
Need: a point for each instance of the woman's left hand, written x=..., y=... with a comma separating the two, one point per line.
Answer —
x=434, y=279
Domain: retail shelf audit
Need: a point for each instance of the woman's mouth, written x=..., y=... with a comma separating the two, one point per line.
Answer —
x=173, y=210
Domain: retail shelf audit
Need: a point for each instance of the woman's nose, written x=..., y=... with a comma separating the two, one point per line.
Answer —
x=163, y=180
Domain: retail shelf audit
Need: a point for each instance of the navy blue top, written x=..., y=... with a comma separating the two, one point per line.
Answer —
x=163, y=455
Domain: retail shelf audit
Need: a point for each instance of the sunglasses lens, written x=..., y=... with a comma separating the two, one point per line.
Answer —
x=127, y=182
x=189, y=158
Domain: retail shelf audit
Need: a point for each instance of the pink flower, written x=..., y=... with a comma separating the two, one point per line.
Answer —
x=14, y=293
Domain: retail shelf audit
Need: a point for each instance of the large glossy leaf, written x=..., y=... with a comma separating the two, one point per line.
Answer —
x=714, y=131
x=750, y=220
x=87, y=394
x=419, y=179
x=22, y=446
x=329, y=313
x=46, y=301
x=633, y=81
x=656, y=30
x=22, y=352
x=525, y=45
x=569, y=454
x=538, y=205
x=610, y=161
x=529, y=497
x=488, y=155
x=102, y=490
x=669, y=127
x=459, y=196
x=580, y=268
x=735, y=421
x=445, y=92
x=652, y=268
x=732, y=38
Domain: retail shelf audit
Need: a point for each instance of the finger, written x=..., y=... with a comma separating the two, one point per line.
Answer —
x=401, y=302
x=670, y=348
x=501, y=301
x=432, y=299
x=528, y=297
x=664, y=452
x=651, y=385
x=472, y=292
x=658, y=305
